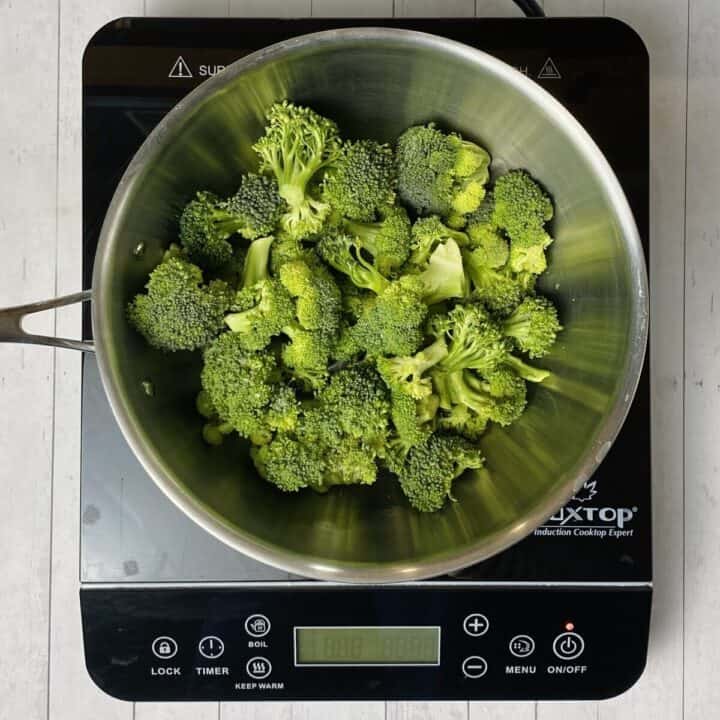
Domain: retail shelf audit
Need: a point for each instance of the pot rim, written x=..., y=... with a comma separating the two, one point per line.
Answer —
x=315, y=567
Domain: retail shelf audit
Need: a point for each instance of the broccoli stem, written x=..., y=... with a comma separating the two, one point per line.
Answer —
x=256, y=261
x=525, y=371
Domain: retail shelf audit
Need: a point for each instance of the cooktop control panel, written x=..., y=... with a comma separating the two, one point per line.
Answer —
x=313, y=641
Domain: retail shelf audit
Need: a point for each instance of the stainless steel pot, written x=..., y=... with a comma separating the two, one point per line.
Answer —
x=376, y=82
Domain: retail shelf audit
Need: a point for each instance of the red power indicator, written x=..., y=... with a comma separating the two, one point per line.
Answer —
x=569, y=626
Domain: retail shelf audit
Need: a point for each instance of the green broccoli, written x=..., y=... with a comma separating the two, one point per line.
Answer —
x=489, y=246
x=407, y=374
x=521, y=210
x=297, y=145
x=319, y=304
x=241, y=385
x=441, y=173
x=354, y=403
x=388, y=240
x=342, y=253
x=392, y=325
x=205, y=226
x=474, y=340
x=427, y=234
x=428, y=471
x=464, y=387
x=361, y=181
x=498, y=288
x=290, y=464
x=257, y=206
x=178, y=312
x=533, y=326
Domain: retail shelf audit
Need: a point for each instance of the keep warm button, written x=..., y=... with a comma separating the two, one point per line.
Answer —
x=568, y=646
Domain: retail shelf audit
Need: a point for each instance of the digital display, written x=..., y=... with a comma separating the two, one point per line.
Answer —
x=367, y=645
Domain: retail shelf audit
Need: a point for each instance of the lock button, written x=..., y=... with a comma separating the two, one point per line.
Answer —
x=164, y=647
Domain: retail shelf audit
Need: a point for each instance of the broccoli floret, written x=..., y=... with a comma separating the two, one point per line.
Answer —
x=289, y=464
x=262, y=311
x=283, y=410
x=407, y=374
x=411, y=428
x=428, y=471
x=443, y=278
x=355, y=403
x=461, y=420
x=262, y=307
x=348, y=463
x=178, y=312
x=205, y=226
x=498, y=288
x=464, y=387
x=533, y=326
x=474, y=340
x=521, y=206
x=427, y=234
x=341, y=252
x=293, y=464
x=355, y=300
x=489, y=246
x=361, y=181
x=441, y=173
x=319, y=304
x=285, y=249
x=257, y=206
x=392, y=324
x=307, y=354
x=521, y=210
x=240, y=385
x=387, y=240
x=297, y=145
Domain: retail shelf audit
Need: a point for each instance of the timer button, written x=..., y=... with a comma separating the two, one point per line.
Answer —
x=257, y=626
x=474, y=667
x=476, y=625
x=568, y=646
x=211, y=647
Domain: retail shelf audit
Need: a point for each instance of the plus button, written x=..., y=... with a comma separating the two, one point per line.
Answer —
x=476, y=624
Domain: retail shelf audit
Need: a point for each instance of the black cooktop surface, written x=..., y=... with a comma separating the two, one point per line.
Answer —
x=135, y=71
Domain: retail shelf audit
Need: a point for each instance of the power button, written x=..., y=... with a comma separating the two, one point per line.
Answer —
x=568, y=646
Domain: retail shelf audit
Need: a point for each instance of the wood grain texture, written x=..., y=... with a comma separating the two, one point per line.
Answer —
x=176, y=711
x=270, y=8
x=40, y=172
x=663, y=26
x=427, y=711
x=574, y=8
x=702, y=369
x=502, y=711
x=28, y=175
x=343, y=8
x=186, y=8
x=434, y=8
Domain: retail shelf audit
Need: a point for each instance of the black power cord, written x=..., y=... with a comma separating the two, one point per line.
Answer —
x=531, y=8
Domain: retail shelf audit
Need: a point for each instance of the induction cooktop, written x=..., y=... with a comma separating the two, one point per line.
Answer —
x=170, y=613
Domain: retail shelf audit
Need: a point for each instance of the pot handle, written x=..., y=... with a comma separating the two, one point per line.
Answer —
x=11, y=330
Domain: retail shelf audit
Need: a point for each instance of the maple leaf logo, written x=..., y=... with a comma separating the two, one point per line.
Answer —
x=587, y=492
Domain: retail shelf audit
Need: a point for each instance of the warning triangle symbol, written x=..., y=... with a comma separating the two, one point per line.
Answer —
x=180, y=69
x=549, y=71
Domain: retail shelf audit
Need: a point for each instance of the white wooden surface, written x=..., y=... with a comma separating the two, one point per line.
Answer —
x=42, y=674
